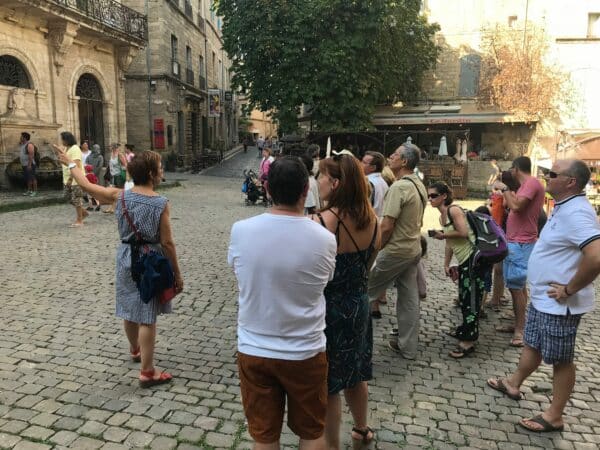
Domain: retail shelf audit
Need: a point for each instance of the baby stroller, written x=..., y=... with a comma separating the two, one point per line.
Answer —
x=252, y=188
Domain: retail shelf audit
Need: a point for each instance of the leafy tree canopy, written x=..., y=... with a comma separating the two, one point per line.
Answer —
x=341, y=57
x=518, y=76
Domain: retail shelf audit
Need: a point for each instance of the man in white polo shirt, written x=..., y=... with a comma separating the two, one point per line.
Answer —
x=283, y=261
x=564, y=263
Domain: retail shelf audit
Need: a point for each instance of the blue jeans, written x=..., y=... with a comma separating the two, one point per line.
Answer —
x=515, y=264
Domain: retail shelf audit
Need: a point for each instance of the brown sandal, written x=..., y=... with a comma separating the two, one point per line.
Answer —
x=364, y=440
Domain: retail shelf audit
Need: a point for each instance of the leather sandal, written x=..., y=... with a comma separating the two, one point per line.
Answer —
x=364, y=440
x=150, y=381
x=136, y=354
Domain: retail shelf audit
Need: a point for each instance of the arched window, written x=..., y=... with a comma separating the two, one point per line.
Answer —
x=88, y=88
x=13, y=73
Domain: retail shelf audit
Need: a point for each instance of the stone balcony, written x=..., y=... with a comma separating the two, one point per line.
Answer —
x=108, y=17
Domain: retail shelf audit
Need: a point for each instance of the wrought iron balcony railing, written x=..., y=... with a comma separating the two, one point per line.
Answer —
x=110, y=13
x=189, y=76
x=202, y=82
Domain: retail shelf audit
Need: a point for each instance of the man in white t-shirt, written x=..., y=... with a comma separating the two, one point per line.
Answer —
x=562, y=267
x=373, y=164
x=283, y=261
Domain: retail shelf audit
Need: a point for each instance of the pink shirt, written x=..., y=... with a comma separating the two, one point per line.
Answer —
x=522, y=226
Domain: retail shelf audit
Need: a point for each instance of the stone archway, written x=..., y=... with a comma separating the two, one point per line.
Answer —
x=91, y=114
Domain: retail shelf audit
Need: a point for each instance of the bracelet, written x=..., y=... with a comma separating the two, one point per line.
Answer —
x=567, y=291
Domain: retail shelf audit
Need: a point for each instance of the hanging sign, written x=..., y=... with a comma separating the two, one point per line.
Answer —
x=214, y=102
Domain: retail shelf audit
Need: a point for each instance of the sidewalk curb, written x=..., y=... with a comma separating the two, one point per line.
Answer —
x=24, y=205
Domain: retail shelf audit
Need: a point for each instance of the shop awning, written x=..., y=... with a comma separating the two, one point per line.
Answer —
x=587, y=149
x=440, y=114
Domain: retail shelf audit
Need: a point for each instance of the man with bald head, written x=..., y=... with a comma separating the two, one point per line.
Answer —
x=564, y=263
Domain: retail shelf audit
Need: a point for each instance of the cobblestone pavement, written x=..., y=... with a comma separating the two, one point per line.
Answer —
x=66, y=380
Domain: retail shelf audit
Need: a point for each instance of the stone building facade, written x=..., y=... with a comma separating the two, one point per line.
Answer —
x=450, y=89
x=62, y=66
x=168, y=84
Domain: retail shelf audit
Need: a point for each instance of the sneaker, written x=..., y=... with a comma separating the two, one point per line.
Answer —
x=33, y=194
x=25, y=194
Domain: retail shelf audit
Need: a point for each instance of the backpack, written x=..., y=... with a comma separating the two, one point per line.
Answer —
x=490, y=244
x=36, y=155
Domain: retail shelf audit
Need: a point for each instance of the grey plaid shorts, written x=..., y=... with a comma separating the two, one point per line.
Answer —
x=552, y=335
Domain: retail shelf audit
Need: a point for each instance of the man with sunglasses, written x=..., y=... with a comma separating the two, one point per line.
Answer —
x=522, y=232
x=562, y=267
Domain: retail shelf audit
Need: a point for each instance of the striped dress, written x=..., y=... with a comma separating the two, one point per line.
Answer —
x=145, y=212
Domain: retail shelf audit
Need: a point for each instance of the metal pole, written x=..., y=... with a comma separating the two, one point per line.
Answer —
x=525, y=28
x=150, y=125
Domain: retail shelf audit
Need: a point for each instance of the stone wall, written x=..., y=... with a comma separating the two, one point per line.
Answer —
x=479, y=173
x=172, y=95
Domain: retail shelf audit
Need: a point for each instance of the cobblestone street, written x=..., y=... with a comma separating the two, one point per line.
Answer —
x=66, y=380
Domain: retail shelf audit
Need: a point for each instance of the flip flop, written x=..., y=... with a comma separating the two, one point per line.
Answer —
x=461, y=352
x=498, y=385
x=75, y=225
x=505, y=328
x=546, y=426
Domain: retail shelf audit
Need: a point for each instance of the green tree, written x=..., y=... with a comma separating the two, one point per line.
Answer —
x=341, y=57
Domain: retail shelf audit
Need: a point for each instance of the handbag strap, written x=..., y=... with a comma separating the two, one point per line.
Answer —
x=130, y=222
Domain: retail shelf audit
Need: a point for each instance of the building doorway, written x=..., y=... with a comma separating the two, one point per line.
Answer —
x=91, y=119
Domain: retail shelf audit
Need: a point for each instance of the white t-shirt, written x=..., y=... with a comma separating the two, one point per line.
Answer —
x=380, y=187
x=282, y=264
x=313, y=199
x=557, y=254
x=84, y=156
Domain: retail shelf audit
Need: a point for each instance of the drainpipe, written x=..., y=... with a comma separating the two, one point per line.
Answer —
x=207, y=105
x=148, y=66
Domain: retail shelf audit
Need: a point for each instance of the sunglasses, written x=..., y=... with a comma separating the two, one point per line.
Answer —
x=552, y=174
x=432, y=196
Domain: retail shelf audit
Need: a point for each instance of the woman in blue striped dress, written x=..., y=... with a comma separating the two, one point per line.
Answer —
x=150, y=213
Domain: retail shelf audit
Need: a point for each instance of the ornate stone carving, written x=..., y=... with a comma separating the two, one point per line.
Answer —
x=125, y=55
x=61, y=35
x=16, y=104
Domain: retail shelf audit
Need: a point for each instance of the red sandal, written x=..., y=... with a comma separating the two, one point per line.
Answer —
x=164, y=377
x=136, y=355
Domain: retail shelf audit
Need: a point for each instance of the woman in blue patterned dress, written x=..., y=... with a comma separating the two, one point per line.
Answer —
x=348, y=214
x=150, y=214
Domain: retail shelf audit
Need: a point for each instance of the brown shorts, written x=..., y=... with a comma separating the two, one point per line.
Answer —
x=74, y=195
x=266, y=382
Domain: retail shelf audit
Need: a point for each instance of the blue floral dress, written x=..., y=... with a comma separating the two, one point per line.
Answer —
x=349, y=328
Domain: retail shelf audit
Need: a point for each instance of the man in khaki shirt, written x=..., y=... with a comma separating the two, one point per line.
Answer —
x=403, y=209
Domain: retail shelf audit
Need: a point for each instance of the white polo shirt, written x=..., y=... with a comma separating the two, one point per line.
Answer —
x=282, y=264
x=557, y=254
x=380, y=187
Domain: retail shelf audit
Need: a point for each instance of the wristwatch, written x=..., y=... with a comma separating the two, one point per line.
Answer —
x=72, y=165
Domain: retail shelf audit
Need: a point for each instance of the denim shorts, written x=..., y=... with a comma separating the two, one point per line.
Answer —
x=515, y=264
x=551, y=335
